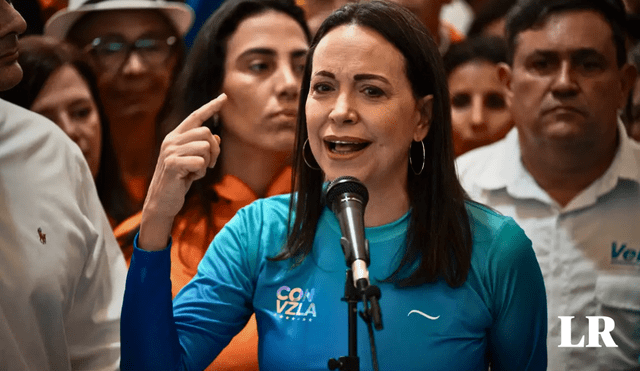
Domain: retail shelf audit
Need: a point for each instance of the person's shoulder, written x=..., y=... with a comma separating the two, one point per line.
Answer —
x=266, y=211
x=635, y=149
x=22, y=129
x=491, y=228
x=273, y=203
x=484, y=167
x=484, y=221
x=479, y=158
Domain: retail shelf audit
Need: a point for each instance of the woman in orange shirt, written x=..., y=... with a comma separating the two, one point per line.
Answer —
x=254, y=51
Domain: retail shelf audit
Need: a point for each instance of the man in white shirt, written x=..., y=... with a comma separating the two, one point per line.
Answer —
x=569, y=175
x=61, y=271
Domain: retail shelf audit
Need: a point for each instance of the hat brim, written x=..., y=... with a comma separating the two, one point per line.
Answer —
x=181, y=15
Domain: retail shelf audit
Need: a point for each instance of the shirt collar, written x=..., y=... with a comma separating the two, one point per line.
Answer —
x=505, y=167
x=626, y=164
x=507, y=171
x=232, y=188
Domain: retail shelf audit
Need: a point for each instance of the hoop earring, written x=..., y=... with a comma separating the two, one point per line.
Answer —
x=304, y=157
x=424, y=159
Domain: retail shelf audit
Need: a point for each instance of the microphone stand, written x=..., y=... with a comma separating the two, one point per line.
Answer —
x=352, y=295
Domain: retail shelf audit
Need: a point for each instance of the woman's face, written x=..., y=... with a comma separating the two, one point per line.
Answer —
x=479, y=112
x=263, y=71
x=66, y=100
x=361, y=112
x=134, y=89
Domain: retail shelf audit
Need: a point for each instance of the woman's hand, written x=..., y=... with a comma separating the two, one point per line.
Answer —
x=184, y=157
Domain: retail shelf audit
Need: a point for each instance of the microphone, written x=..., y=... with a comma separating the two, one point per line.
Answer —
x=347, y=198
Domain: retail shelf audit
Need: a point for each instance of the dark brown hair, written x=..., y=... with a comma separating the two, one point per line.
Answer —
x=439, y=235
x=203, y=74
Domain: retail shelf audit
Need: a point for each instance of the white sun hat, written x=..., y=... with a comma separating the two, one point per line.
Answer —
x=180, y=14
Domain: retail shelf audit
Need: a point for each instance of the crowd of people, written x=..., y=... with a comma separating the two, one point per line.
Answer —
x=163, y=166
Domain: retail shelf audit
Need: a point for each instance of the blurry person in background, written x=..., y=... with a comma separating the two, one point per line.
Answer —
x=62, y=274
x=490, y=19
x=569, y=174
x=479, y=110
x=135, y=48
x=61, y=86
x=631, y=113
x=428, y=11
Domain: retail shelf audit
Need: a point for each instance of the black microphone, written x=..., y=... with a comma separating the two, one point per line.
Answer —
x=347, y=198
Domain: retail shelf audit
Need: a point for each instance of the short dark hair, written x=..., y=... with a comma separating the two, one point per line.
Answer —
x=438, y=236
x=492, y=49
x=527, y=14
x=203, y=74
x=39, y=58
x=490, y=12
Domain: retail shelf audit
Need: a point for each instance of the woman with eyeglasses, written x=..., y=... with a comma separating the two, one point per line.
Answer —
x=461, y=287
x=60, y=85
x=135, y=48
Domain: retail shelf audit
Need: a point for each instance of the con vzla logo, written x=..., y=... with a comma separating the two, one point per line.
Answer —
x=295, y=303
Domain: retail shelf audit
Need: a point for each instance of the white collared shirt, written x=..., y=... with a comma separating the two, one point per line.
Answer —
x=62, y=273
x=589, y=250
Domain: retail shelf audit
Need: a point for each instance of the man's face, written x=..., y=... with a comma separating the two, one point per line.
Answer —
x=11, y=25
x=565, y=83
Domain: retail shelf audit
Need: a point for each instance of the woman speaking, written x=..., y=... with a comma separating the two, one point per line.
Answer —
x=461, y=287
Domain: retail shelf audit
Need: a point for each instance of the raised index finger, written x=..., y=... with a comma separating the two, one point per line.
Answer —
x=202, y=114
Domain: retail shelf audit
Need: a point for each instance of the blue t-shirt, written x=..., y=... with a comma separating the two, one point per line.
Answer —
x=498, y=315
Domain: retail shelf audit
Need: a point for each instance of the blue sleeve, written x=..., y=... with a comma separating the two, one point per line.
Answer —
x=518, y=337
x=188, y=333
x=148, y=335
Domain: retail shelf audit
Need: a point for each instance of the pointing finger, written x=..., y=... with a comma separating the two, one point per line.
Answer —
x=202, y=114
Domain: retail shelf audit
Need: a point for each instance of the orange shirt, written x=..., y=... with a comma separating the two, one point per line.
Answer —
x=191, y=236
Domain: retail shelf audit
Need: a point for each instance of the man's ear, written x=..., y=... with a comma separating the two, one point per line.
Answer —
x=505, y=75
x=628, y=80
x=425, y=105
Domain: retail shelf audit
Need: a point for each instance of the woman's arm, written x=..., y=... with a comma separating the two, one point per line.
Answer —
x=184, y=157
x=518, y=337
x=147, y=326
x=188, y=333
x=147, y=330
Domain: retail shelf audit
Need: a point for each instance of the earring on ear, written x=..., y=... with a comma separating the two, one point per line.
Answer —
x=304, y=156
x=216, y=120
x=424, y=158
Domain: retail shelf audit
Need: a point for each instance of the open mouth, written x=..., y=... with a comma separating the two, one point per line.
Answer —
x=345, y=147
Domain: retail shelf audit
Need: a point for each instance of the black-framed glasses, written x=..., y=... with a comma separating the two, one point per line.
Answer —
x=113, y=50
